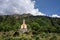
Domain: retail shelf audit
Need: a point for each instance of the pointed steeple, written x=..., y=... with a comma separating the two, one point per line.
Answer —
x=23, y=21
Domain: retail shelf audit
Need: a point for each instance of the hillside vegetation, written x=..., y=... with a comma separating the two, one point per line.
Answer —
x=35, y=23
x=40, y=27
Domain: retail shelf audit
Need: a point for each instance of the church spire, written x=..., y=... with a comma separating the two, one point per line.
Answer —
x=23, y=21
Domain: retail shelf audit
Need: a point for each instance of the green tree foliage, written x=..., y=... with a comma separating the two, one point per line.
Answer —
x=35, y=23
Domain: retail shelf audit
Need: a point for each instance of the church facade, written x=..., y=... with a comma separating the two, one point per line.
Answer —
x=23, y=27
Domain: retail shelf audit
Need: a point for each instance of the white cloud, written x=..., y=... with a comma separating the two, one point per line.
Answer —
x=55, y=15
x=19, y=7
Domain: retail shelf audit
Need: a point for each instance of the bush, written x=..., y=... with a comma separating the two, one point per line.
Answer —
x=53, y=38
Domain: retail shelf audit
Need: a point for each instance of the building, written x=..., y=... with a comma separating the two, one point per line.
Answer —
x=23, y=27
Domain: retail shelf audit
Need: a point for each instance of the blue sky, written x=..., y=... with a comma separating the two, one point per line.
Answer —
x=48, y=7
x=35, y=7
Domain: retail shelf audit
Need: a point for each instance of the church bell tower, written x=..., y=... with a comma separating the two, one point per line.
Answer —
x=24, y=26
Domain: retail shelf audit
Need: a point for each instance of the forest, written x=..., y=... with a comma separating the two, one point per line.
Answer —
x=37, y=25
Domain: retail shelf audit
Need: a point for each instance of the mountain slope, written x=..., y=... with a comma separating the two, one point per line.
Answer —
x=35, y=23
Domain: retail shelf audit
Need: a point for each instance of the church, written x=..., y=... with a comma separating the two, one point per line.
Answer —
x=23, y=27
